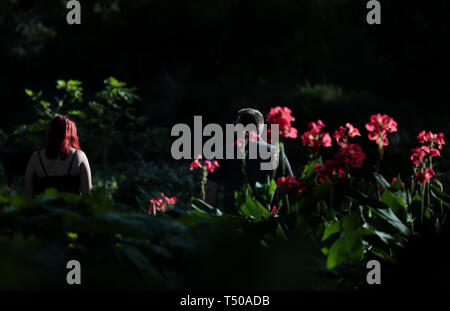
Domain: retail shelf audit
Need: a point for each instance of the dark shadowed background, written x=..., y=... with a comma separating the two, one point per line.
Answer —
x=320, y=58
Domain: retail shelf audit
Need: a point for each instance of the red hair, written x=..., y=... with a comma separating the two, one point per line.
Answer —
x=61, y=136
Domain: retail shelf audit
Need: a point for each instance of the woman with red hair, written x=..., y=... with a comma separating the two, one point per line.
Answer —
x=61, y=164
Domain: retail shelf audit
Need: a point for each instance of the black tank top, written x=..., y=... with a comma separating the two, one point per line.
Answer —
x=65, y=183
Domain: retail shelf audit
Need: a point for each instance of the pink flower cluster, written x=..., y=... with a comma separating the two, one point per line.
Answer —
x=431, y=139
x=421, y=157
x=282, y=116
x=352, y=156
x=161, y=204
x=379, y=126
x=329, y=169
x=315, y=137
x=420, y=153
x=343, y=133
x=210, y=166
x=348, y=157
x=291, y=185
x=424, y=175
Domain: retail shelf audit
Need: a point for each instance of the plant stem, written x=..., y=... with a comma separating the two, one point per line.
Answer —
x=204, y=180
x=422, y=209
x=428, y=185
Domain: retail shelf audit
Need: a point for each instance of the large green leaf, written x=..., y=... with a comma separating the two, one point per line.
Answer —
x=439, y=195
x=351, y=222
x=395, y=202
x=252, y=208
x=331, y=229
x=388, y=215
x=382, y=181
x=204, y=207
x=348, y=248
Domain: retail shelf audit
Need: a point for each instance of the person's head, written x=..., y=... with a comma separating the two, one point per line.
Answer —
x=61, y=136
x=248, y=116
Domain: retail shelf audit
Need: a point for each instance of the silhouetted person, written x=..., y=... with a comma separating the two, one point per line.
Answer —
x=230, y=172
x=61, y=164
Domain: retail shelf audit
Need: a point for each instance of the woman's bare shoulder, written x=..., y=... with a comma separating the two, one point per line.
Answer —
x=34, y=158
x=81, y=156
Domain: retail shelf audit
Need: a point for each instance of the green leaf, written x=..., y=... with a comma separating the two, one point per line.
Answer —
x=45, y=104
x=351, y=222
x=347, y=248
x=330, y=230
x=204, y=207
x=396, y=203
x=29, y=92
x=385, y=237
x=99, y=108
x=380, y=253
x=77, y=113
x=248, y=206
x=398, y=185
x=114, y=82
x=60, y=84
x=266, y=191
x=439, y=195
x=381, y=181
x=388, y=215
x=308, y=170
x=73, y=84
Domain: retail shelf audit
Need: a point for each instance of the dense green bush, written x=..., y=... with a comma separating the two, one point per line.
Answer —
x=317, y=238
x=122, y=249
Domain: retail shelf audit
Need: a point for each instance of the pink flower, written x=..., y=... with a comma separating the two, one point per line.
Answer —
x=329, y=169
x=291, y=185
x=211, y=166
x=378, y=127
x=419, y=154
x=431, y=139
x=326, y=140
x=171, y=200
x=423, y=137
x=352, y=156
x=434, y=153
x=437, y=139
x=340, y=134
x=348, y=157
x=282, y=116
x=315, y=138
x=160, y=205
x=196, y=163
x=274, y=210
x=343, y=133
x=424, y=176
x=352, y=131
